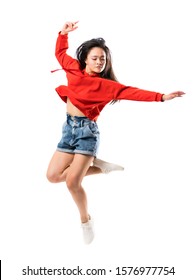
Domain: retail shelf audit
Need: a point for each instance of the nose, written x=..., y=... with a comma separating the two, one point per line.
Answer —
x=99, y=62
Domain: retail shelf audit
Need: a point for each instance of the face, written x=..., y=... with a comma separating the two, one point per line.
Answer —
x=95, y=61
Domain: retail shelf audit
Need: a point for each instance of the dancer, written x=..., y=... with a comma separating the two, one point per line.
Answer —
x=91, y=85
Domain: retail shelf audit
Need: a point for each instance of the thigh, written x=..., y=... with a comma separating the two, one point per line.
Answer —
x=79, y=167
x=59, y=162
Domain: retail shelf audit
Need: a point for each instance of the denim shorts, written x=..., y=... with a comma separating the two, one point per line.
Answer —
x=80, y=135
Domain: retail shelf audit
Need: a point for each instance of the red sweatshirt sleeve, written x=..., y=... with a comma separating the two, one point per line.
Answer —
x=66, y=61
x=116, y=91
x=133, y=93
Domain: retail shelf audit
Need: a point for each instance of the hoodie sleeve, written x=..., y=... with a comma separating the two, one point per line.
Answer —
x=66, y=61
x=117, y=91
x=137, y=94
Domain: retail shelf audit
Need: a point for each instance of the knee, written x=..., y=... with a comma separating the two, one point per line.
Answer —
x=52, y=177
x=72, y=183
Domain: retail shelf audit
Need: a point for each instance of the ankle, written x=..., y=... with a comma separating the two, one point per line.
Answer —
x=85, y=219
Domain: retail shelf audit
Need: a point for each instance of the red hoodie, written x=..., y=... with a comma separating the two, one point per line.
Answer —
x=90, y=93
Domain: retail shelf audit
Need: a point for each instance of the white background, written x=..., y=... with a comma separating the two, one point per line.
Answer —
x=144, y=216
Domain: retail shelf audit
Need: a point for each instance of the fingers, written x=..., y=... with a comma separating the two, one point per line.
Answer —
x=69, y=26
x=75, y=22
x=74, y=25
x=178, y=93
x=173, y=95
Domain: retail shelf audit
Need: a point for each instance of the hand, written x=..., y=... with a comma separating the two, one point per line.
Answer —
x=172, y=95
x=68, y=27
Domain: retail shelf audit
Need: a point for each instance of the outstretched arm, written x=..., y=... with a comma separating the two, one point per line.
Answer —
x=172, y=95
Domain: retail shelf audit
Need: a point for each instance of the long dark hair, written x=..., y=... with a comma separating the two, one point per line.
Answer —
x=82, y=53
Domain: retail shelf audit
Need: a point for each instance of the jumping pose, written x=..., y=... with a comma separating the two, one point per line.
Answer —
x=91, y=85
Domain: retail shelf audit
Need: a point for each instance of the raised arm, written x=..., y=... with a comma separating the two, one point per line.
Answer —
x=66, y=61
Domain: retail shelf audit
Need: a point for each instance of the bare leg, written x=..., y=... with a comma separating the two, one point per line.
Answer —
x=75, y=175
x=70, y=168
x=93, y=170
x=59, y=167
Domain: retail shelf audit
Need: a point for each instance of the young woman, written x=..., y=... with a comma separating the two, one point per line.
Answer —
x=91, y=85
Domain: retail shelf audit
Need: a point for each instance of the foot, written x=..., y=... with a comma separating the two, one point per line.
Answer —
x=106, y=167
x=88, y=231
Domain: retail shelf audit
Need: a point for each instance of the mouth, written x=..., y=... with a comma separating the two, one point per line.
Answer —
x=99, y=67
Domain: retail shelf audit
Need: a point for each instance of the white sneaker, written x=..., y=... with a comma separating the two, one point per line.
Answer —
x=88, y=231
x=106, y=167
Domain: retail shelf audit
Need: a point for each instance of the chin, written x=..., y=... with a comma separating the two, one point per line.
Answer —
x=98, y=71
